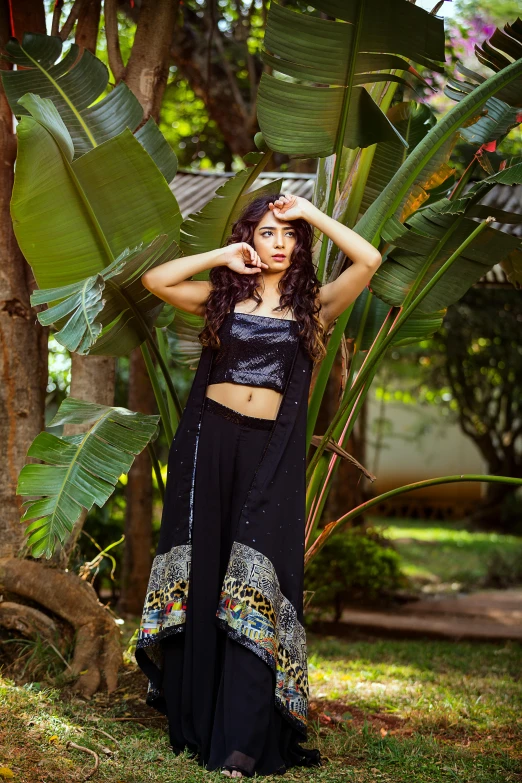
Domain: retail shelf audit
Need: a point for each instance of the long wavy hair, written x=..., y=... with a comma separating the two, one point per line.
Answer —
x=299, y=285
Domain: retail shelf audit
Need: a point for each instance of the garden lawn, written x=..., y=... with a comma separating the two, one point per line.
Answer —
x=445, y=552
x=418, y=711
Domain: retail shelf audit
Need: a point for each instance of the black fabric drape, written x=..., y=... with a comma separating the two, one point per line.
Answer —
x=261, y=601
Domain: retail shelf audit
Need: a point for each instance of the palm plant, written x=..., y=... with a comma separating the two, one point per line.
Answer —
x=88, y=257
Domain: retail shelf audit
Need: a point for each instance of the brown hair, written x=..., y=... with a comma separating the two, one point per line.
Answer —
x=299, y=285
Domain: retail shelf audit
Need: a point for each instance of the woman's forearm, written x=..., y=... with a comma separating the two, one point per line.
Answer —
x=179, y=269
x=351, y=244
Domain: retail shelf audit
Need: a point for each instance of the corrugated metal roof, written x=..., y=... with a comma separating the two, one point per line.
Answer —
x=194, y=189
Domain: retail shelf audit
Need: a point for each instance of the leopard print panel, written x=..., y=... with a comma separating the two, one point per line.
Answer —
x=166, y=600
x=251, y=609
x=260, y=617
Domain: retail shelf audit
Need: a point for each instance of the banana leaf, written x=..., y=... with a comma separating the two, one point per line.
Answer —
x=510, y=175
x=497, y=117
x=184, y=346
x=417, y=240
x=74, y=85
x=72, y=218
x=300, y=118
x=413, y=121
x=109, y=308
x=395, y=195
x=493, y=53
x=418, y=327
x=80, y=470
x=512, y=266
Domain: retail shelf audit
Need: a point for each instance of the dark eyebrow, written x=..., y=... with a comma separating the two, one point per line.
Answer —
x=261, y=227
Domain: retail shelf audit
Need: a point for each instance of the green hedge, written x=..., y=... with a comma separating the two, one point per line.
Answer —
x=355, y=566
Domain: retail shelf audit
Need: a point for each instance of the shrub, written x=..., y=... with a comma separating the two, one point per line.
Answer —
x=504, y=569
x=357, y=565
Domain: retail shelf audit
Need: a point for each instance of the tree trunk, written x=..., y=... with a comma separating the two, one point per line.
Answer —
x=86, y=33
x=146, y=75
x=214, y=81
x=23, y=351
x=137, y=556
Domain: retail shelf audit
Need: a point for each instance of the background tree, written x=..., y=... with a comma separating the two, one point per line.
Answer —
x=478, y=356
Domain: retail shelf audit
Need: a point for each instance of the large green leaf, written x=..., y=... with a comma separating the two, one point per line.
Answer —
x=497, y=118
x=418, y=326
x=80, y=470
x=511, y=175
x=498, y=52
x=300, y=118
x=406, y=265
x=396, y=193
x=114, y=301
x=74, y=85
x=184, y=346
x=72, y=218
x=413, y=121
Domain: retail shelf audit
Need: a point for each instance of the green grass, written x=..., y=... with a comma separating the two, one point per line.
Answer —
x=446, y=552
x=397, y=711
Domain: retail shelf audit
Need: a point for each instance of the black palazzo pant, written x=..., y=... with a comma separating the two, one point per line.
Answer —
x=219, y=694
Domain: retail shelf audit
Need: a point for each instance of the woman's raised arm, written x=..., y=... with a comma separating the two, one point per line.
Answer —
x=169, y=280
x=336, y=296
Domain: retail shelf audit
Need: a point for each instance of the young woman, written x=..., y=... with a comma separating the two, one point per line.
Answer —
x=229, y=566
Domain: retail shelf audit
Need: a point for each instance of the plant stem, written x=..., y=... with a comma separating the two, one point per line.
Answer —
x=147, y=335
x=157, y=470
x=153, y=375
x=361, y=509
x=162, y=345
x=377, y=351
x=345, y=107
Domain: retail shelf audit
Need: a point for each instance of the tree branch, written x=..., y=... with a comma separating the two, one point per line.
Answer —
x=71, y=19
x=116, y=64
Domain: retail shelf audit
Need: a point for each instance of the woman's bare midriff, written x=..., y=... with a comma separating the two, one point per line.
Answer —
x=250, y=400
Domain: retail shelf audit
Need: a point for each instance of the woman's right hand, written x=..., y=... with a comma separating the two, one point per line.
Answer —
x=236, y=256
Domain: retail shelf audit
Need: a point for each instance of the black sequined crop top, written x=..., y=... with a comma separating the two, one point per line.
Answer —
x=256, y=350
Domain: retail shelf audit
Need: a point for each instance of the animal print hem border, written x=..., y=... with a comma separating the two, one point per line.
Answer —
x=251, y=609
x=166, y=600
x=253, y=606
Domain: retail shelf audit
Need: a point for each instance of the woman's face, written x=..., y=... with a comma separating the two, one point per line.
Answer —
x=272, y=238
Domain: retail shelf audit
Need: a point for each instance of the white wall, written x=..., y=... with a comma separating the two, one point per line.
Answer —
x=419, y=443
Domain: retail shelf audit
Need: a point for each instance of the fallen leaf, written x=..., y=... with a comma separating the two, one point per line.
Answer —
x=5, y=772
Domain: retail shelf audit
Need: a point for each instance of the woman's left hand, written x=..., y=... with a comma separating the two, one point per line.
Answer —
x=290, y=207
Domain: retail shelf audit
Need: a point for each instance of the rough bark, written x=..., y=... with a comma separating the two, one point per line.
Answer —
x=23, y=354
x=29, y=621
x=146, y=75
x=137, y=557
x=87, y=26
x=148, y=66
